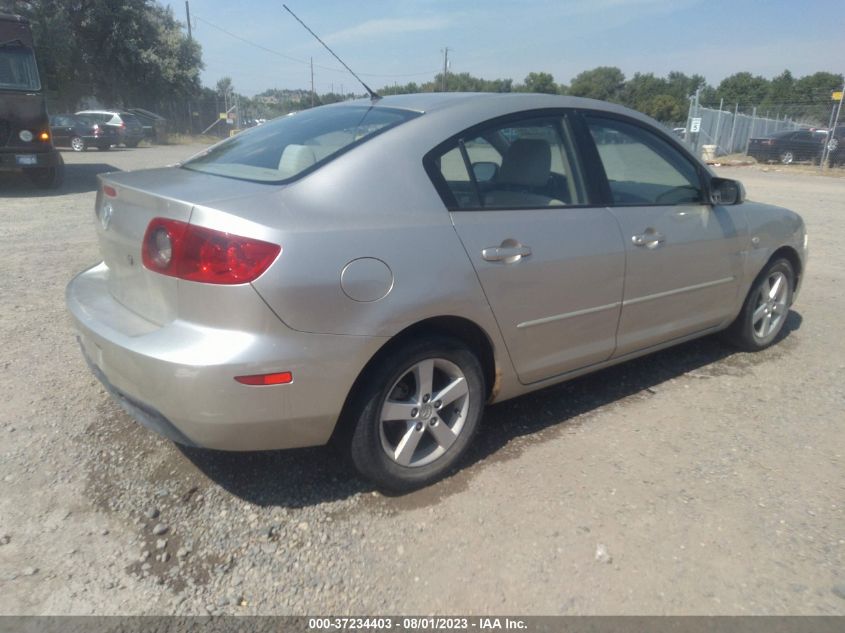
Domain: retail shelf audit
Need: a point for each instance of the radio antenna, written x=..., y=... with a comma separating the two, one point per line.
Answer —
x=373, y=94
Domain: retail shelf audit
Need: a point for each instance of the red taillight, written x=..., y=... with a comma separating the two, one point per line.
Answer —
x=196, y=253
x=279, y=378
x=110, y=191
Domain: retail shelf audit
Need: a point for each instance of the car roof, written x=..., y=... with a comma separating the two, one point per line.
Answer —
x=460, y=110
x=112, y=112
x=435, y=101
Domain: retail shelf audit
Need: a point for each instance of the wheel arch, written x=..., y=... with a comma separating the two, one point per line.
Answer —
x=461, y=328
x=790, y=255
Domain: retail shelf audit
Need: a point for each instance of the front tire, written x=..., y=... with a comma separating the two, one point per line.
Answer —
x=417, y=413
x=765, y=309
x=77, y=144
x=787, y=158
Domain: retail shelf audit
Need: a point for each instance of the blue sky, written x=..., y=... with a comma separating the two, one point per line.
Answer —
x=403, y=40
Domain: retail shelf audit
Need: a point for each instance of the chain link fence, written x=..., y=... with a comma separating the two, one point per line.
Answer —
x=729, y=131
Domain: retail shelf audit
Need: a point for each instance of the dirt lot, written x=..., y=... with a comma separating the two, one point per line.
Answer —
x=714, y=480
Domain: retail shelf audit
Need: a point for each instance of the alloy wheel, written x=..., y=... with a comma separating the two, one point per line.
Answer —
x=77, y=144
x=787, y=158
x=770, y=306
x=424, y=412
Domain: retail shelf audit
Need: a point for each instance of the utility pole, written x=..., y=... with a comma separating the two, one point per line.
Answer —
x=445, y=68
x=832, y=132
x=312, y=81
x=188, y=15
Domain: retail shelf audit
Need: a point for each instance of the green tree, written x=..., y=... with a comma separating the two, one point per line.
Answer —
x=814, y=92
x=664, y=108
x=744, y=89
x=781, y=93
x=605, y=83
x=131, y=52
x=540, y=82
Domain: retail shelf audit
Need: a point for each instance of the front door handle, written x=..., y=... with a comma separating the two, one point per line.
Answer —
x=505, y=253
x=649, y=239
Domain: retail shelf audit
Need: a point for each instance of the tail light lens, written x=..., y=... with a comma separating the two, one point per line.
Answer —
x=196, y=253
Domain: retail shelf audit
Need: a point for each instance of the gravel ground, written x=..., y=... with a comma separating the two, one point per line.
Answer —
x=695, y=481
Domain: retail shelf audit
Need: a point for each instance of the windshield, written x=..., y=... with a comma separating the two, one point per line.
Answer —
x=295, y=144
x=18, y=70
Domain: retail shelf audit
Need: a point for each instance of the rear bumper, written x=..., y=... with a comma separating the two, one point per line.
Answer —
x=178, y=379
x=10, y=159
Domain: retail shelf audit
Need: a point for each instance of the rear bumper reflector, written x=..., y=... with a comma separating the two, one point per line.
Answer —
x=279, y=378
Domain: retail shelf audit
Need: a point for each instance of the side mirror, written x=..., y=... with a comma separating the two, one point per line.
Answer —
x=485, y=171
x=724, y=191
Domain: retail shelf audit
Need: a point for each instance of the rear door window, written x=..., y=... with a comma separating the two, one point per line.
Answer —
x=524, y=163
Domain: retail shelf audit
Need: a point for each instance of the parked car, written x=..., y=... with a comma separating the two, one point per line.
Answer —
x=374, y=272
x=128, y=127
x=79, y=132
x=787, y=147
x=154, y=125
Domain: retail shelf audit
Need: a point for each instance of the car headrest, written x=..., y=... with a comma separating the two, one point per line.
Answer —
x=528, y=162
x=296, y=158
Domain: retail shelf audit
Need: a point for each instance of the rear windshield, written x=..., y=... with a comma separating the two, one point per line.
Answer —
x=18, y=70
x=292, y=145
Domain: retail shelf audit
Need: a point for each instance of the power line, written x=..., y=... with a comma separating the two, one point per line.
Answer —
x=303, y=61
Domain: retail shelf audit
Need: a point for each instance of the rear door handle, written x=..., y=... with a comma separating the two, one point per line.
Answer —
x=648, y=239
x=507, y=254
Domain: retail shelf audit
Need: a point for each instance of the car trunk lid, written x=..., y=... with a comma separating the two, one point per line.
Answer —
x=125, y=205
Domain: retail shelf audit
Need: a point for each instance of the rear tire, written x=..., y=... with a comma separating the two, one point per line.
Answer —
x=787, y=158
x=416, y=413
x=104, y=148
x=132, y=145
x=765, y=309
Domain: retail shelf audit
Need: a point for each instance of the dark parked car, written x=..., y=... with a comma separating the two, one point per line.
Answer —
x=154, y=125
x=79, y=132
x=787, y=147
x=128, y=127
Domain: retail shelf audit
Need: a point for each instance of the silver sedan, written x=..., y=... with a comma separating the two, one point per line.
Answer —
x=374, y=272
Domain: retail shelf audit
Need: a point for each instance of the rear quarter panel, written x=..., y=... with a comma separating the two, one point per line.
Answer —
x=374, y=202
